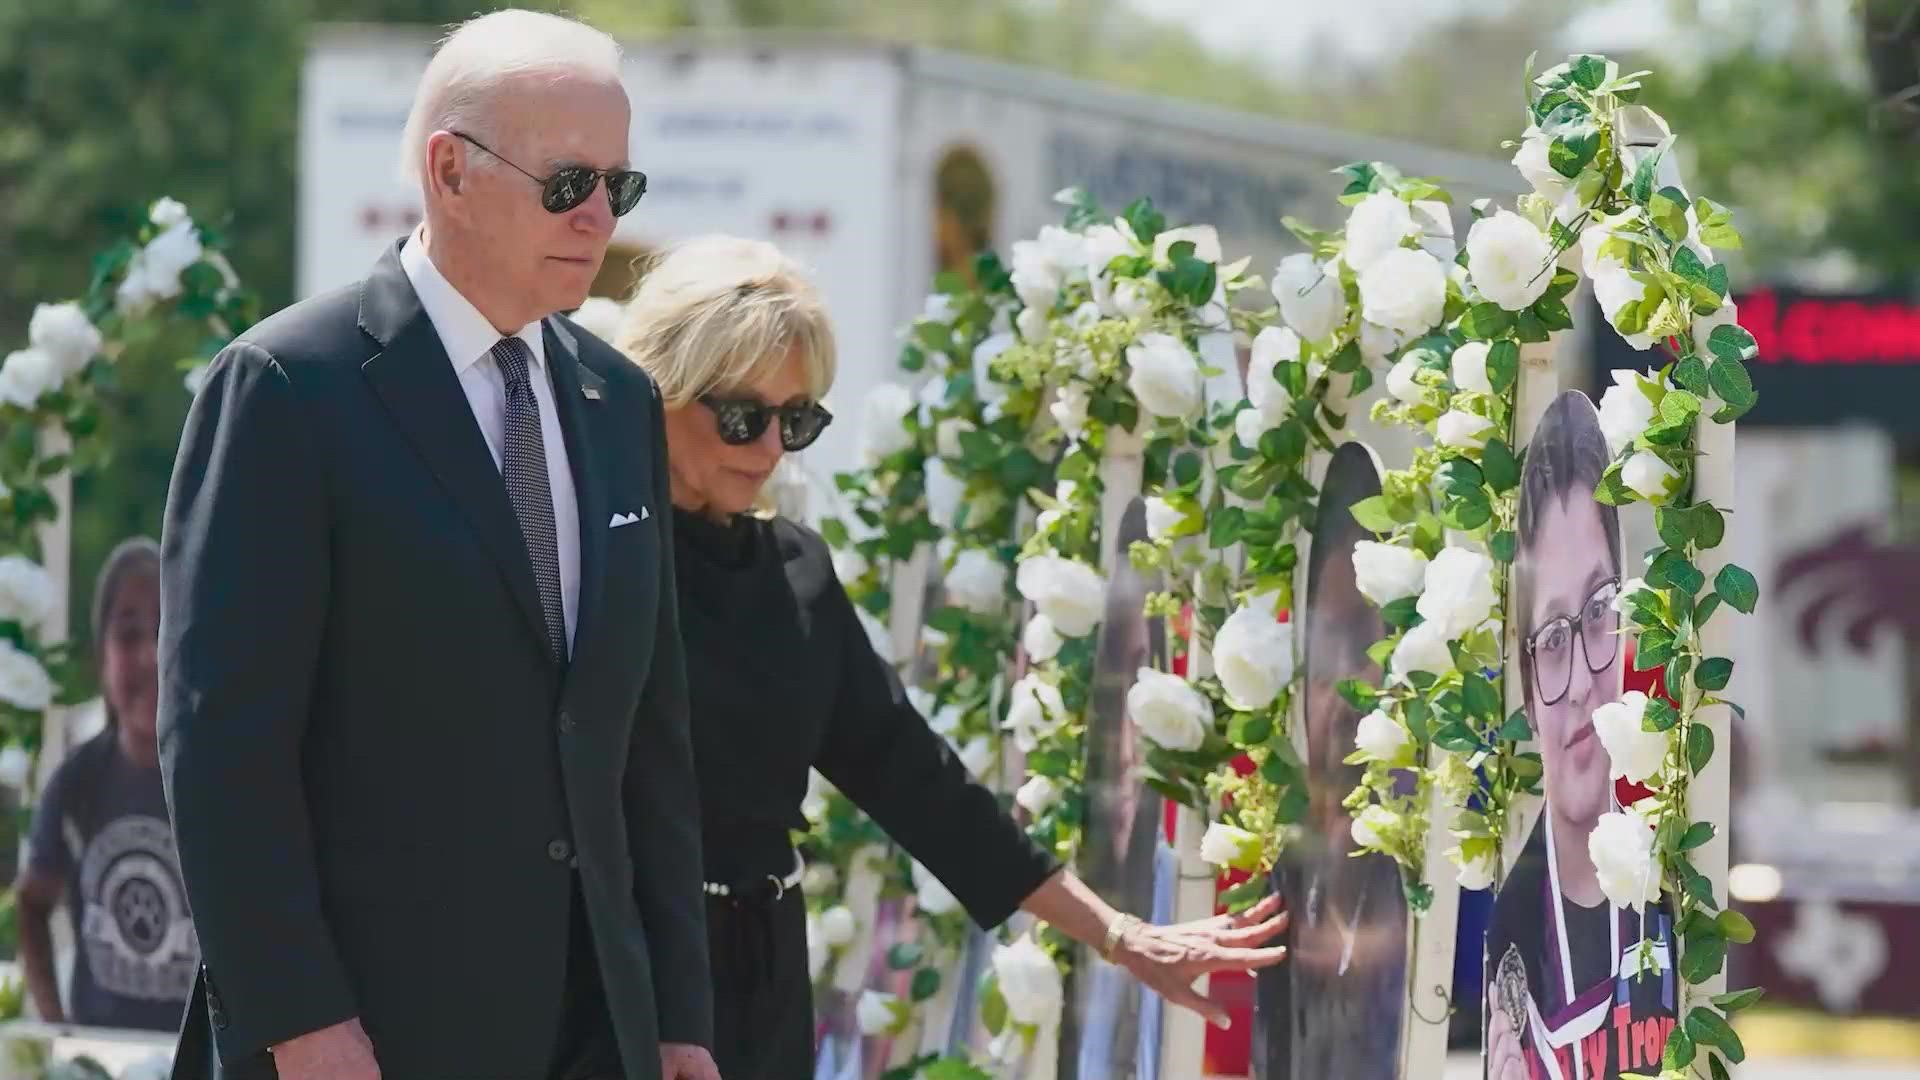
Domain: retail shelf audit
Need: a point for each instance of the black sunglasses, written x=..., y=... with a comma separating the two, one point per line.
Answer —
x=742, y=420
x=570, y=187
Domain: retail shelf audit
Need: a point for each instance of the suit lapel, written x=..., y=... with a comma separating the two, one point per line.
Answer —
x=572, y=382
x=415, y=380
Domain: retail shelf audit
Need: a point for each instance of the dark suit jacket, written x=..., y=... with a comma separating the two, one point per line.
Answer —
x=381, y=786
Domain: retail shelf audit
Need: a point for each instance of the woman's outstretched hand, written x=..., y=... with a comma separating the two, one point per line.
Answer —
x=1169, y=959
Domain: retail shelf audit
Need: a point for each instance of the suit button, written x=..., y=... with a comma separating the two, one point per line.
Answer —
x=559, y=851
x=566, y=722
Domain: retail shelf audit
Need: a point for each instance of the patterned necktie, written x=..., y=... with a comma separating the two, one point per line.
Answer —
x=523, y=464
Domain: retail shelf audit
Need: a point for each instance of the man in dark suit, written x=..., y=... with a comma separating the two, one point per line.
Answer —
x=423, y=711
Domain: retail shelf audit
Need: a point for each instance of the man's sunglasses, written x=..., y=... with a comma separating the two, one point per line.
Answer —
x=570, y=186
x=742, y=420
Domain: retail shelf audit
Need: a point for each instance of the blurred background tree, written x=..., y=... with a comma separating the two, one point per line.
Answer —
x=104, y=104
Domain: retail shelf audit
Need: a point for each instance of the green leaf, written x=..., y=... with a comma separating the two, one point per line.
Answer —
x=1718, y=1069
x=1737, y=927
x=1146, y=221
x=1699, y=747
x=905, y=955
x=1709, y=604
x=1709, y=1028
x=1417, y=714
x=1357, y=693
x=1569, y=154
x=1668, y=208
x=1688, y=265
x=1674, y=524
x=1373, y=515
x=1502, y=546
x=1730, y=380
x=1737, y=587
x=1700, y=888
x=993, y=1006
x=1714, y=674
x=1503, y=365
x=1486, y=321
x=1244, y=894
x=955, y=1069
x=1293, y=805
x=1690, y=374
x=1679, y=1050
x=1501, y=467
x=1699, y=834
x=1457, y=737
x=1249, y=729
x=926, y=983
x=1702, y=957
x=1402, y=614
x=1660, y=716
x=1516, y=729
x=1656, y=648
x=1527, y=771
x=1186, y=469
x=1589, y=71
x=1482, y=699
x=1735, y=1000
x=1732, y=342
x=1709, y=526
x=1050, y=763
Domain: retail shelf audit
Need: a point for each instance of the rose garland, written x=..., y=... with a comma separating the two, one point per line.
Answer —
x=1616, y=193
x=164, y=268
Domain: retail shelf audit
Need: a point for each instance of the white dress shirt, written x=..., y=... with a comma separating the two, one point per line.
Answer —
x=469, y=339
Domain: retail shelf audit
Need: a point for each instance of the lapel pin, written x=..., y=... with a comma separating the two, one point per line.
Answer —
x=591, y=393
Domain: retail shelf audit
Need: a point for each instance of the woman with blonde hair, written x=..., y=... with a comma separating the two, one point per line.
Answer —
x=782, y=676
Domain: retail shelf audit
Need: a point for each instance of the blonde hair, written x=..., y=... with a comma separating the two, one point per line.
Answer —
x=476, y=62
x=717, y=312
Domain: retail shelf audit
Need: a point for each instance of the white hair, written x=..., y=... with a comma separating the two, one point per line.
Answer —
x=474, y=61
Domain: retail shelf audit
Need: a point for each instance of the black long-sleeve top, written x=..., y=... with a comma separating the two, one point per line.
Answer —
x=782, y=676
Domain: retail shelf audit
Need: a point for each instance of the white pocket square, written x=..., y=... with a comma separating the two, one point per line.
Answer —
x=629, y=519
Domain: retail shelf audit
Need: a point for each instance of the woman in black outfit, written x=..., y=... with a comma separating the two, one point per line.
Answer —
x=782, y=677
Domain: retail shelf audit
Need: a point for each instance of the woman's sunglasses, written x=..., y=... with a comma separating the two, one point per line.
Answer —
x=742, y=420
x=570, y=187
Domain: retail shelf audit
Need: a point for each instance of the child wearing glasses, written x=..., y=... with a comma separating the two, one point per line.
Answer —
x=1572, y=993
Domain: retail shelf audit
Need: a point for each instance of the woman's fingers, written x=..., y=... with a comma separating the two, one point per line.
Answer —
x=1218, y=958
x=1185, y=996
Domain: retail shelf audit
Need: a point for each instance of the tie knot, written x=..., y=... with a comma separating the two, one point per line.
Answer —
x=514, y=359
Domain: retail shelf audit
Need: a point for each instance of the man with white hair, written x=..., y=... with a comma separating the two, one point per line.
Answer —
x=423, y=711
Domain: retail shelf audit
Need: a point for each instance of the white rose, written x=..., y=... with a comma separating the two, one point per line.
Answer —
x=1510, y=260
x=1123, y=299
x=817, y=948
x=813, y=805
x=27, y=375
x=1071, y=594
x=1253, y=656
x=1651, y=478
x=1035, y=276
x=1163, y=518
x=1228, y=846
x=1037, y=795
x=878, y=1013
x=1065, y=248
x=1069, y=410
x=1165, y=376
x=1635, y=752
x=985, y=387
x=1206, y=244
x=1470, y=367
x=1381, y=737
x=1400, y=379
x=1270, y=348
x=944, y=493
x=1372, y=827
x=1434, y=219
x=849, y=565
x=28, y=593
x=1168, y=710
x=1035, y=712
x=977, y=755
x=1248, y=425
x=1614, y=287
x=931, y=896
x=947, y=436
x=1376, y=226
x=1704, y=326
x=837, y=926
x=1625, y=411
x=1029, y=982
x=1105, y=243
x=946, y=719
x=1459, y=593
x=1638, y=132
x=64, y=332
x=1404, y=290
x=1621, y=846
x=1040, y=639
x=939, y=308
x=166, y=212
x=599, y=316
x=1423, y=648
x=1379, y=342
x=978, y=582
x=1475, y=873
x=1463, y=430
x=1388, y=572
x=1311, y=299
x=1032, y=324
x=15, y=765
x=883, y=420
x=154, y=272
x=819, y=879
x=23, y=682
x=1534, y=163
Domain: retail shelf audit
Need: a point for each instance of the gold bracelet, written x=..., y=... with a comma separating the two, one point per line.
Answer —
x=1115, y=931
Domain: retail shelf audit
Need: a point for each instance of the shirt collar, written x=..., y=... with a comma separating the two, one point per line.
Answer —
x=466, y=334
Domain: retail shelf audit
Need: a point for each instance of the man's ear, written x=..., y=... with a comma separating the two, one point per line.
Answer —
x=446, y=169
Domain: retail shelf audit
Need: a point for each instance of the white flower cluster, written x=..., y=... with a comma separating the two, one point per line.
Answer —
x=154, y=273
x=62, y=341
